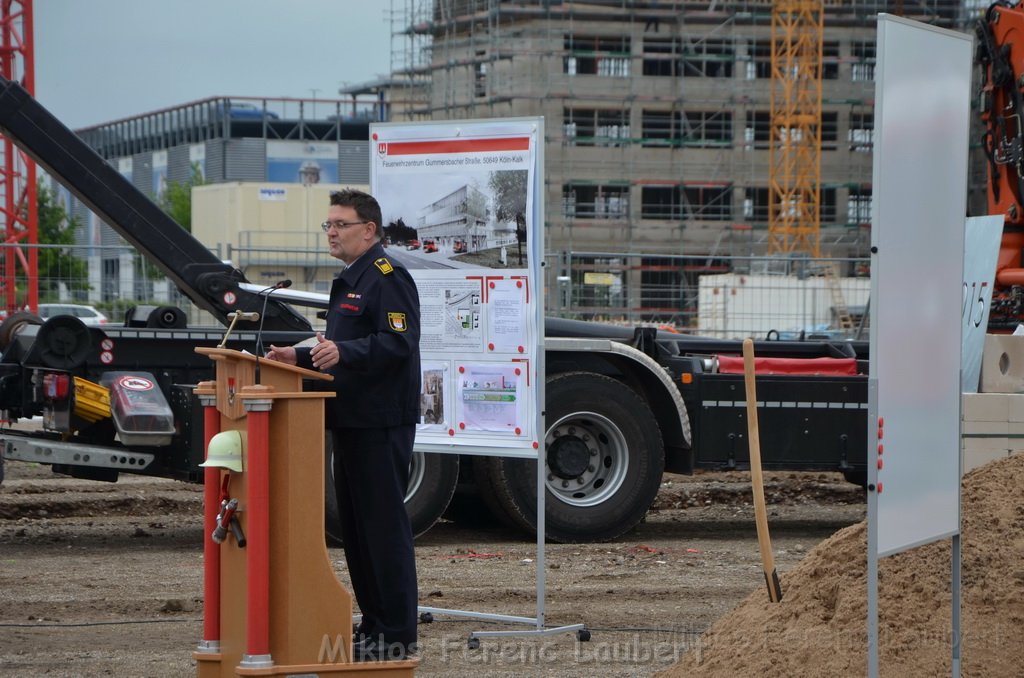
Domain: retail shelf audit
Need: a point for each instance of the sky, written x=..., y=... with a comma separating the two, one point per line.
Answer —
x=102, y=60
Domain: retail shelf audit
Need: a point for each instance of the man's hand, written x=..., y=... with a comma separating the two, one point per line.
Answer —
x=325, y=354
x=282, y=354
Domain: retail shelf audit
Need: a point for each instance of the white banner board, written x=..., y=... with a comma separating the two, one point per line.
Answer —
x=461, y=209
x=922, y=118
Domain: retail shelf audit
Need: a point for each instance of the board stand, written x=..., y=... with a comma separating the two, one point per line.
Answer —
x=473, y=642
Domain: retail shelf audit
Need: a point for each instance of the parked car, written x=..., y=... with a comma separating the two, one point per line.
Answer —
x=459, y=246
x=87, y=314
x=242, y=110
x=429, y=246
x=412, y=244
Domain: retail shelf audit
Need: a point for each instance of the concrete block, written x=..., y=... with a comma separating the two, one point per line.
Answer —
x=974, y=458
x=986, y=407
x=986, y=443
x=1001, y=428
x=1015, y=405
x=1002, y=364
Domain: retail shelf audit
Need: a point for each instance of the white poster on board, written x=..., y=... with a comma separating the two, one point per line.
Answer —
x=460, y=211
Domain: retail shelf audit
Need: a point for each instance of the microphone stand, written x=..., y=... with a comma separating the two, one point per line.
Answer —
x=262, y=318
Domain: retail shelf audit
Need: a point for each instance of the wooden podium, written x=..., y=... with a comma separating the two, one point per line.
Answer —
x=272, y=607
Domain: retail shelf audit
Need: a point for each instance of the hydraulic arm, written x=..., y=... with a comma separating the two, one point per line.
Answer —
x=199, y=274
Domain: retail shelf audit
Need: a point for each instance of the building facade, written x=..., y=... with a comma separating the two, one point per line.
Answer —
x=657, y=122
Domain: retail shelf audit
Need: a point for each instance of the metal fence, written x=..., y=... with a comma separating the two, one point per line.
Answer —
x=728, y=297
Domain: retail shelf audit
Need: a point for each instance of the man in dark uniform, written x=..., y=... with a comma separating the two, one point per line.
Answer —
x=371, y=347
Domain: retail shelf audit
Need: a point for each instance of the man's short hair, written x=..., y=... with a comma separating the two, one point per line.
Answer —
x=365, y=205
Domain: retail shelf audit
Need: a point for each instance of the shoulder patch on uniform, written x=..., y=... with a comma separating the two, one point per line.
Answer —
x=384, y=265
x=397, y=322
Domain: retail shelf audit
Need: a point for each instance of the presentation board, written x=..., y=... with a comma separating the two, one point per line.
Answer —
x=922, y=116
x=462, y=210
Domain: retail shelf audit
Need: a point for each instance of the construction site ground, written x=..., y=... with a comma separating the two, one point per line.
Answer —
x=106, y=579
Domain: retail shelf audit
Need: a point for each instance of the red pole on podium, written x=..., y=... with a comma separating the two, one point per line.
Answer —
x=211, y=550
x=258, y=560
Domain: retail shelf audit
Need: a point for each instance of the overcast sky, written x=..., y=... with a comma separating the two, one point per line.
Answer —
x=101, y=60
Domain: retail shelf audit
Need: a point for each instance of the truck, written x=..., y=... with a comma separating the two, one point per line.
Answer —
x=1000, y=106
x=623, y=404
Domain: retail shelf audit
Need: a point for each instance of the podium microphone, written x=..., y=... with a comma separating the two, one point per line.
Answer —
x=279, y=285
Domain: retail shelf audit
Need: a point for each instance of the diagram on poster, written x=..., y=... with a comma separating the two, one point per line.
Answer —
x=449, y=314
x=433, y=414
x=490, y=398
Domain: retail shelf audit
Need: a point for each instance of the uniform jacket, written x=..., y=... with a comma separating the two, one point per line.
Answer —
x=374, y=318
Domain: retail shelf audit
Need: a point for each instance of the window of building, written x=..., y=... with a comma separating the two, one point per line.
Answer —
x=598, y=283
x=830, y=60
x=829, y=130
x=661, y=56
x=661, y=284
x=863, y=61
x=755, y=204
x=757, y=134
x=593, y=201
x=659, y=128
x=480, y=75
x=660, y=202
x=595, y=127
x=708, y=59
x=759, y=63
x=707, y=128
x=605, y=55
x=861, y=134
x=707, y=202
x=858, y=206
x=828, y=212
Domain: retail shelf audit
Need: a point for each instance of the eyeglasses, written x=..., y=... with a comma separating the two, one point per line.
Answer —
x=340, y=224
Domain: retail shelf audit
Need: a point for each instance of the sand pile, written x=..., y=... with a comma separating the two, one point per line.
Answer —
x=820, y=628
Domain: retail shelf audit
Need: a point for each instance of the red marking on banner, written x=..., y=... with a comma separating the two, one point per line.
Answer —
x=490, y=347
x=518, y=430
x=451, y=431
x=458, y=146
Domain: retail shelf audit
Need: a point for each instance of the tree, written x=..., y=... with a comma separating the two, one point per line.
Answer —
x=57, y=264
x=177, y=198
x=509, y=188
x=398, y=232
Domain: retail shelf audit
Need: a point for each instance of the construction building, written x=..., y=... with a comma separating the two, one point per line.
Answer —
x=657, y=120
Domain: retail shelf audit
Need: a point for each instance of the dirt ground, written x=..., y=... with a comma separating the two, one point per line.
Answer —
x=105, y=579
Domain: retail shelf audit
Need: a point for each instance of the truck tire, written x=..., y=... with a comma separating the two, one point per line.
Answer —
x=604, y=461
x=432, y=480
x=15, y=323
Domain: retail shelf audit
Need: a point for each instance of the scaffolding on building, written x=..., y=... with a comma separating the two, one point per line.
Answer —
x=658, y=119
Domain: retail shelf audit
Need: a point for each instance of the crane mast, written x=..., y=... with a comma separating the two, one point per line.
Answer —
x=794, y=216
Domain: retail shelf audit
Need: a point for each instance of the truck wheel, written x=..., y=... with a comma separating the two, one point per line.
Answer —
x=15, y=323
x=603, y=463
x=432, y=480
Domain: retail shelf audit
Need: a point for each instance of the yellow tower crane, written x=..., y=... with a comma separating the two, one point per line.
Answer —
x=794, y=215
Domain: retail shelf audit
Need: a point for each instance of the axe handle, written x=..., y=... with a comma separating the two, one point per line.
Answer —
x=764, y=541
